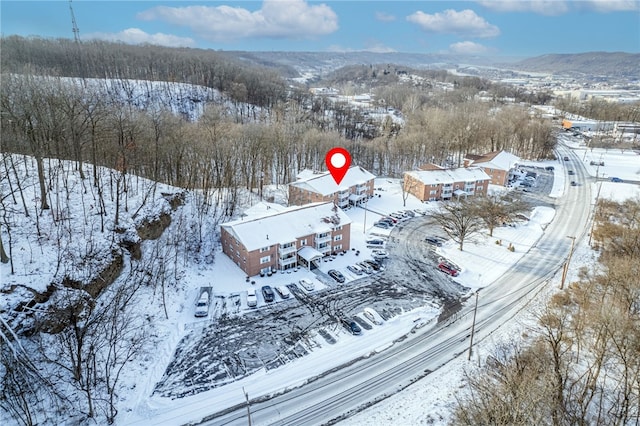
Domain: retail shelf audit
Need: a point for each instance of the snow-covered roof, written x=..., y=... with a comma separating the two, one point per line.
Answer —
x=286, y=226
x=261, y=209
x=431, y=177
x=500, y=160
x=324, y=184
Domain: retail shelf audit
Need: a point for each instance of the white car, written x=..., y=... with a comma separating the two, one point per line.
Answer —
x=202, y=305
x=307, y=284
x=381, y=254
x=283, y=291
x=355, y=269
x=252, y=299
x=373, y=316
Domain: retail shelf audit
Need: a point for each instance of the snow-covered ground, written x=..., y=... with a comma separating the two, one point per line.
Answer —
x=427, y=401
x=432, y=399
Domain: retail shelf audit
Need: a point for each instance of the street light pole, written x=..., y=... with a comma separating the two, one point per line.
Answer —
x=566, y=265
x=246, y=397
x=473, y=326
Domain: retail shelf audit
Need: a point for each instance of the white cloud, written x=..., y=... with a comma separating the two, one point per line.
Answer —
x=463, y=23
x=468, y=48
x=276, y=19
x=137, y=36
x=385, y=17
x=613, y=5
x=542, y=7
x=560, y=7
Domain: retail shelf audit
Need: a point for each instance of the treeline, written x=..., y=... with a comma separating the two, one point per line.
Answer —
x=102, y=59
x=582, y=363
x=598, y=109
x=67, y=119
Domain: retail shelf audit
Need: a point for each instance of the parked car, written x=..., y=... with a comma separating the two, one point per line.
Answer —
x=365, y=267
x=252, y=299
x=307, y=284
x=372, y=316
x=390, y=218
x=571, y=172
x=381, y=254
x=616, y=179
x=283, y=291
x=382, y=225
x=434, y=241
x=549, y=168
x=354, y=328
x=375, y=242
x=267, y=292
x=448, y=269
x=373, y=264
x=336, y=276
x=355, y=269
x=202, y=305
x=574, y=183
x=409, y=213
x=566, y=158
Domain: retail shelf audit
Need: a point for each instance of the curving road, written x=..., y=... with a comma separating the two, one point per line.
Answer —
x=349, y=389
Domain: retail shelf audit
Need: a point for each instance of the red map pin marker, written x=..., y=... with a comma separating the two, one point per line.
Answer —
x=338, y=161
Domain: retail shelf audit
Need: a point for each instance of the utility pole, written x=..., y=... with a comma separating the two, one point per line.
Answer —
x=595, y=211
x=566, y=265
x=246, y=397
x=473, y=326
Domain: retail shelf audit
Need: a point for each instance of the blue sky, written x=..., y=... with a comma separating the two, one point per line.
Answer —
x=490, y=27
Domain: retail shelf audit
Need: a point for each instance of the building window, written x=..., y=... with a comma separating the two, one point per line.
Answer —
x=337, y=237
x=263, y=249
x=303, y=242
x=457, y=186
x=265, y=259
x=433, y=192
x=338, y=247
x=479, y=187
x=337, y=228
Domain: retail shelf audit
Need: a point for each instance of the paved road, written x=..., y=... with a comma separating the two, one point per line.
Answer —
x=355, y=386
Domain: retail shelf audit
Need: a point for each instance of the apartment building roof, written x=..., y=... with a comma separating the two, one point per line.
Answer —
x=324, y=184
x=432, y=177
x=500, y=160
x=286, y=226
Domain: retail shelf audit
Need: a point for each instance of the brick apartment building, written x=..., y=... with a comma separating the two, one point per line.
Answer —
x=498, y=165
x=443, y=184
x=355, y=188
x=296, y=236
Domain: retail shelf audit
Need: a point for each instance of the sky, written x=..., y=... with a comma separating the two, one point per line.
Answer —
x=516, y=28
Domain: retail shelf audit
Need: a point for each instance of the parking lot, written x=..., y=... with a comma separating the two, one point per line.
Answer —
x=237, y=345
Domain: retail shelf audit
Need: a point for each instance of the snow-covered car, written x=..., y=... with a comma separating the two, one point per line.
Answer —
x=283, y=291
x=202, y=305
x=372, y=316
x=355, y=269
x=252, y=299
x=307, y=284
x=380, y=254
x=365, y=267
x=382, y=225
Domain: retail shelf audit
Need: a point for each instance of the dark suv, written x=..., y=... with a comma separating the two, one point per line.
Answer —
x=336, y=276
x=268, y=293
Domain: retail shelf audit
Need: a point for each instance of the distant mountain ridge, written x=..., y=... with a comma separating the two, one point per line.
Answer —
x=612, y=64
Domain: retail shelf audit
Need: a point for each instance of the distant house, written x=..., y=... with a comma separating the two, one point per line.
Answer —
x=439, y=184
x=498, y=165
x=295, y=236
x=355, y=188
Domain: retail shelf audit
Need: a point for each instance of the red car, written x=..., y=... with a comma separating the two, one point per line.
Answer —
x=448, y=269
